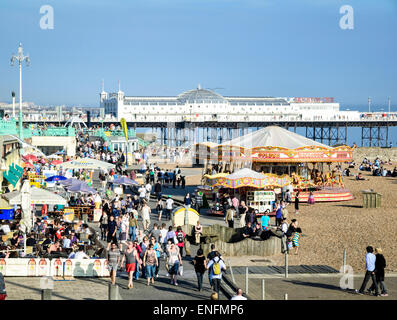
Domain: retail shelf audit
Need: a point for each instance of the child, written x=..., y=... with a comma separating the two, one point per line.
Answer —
x=295, y=239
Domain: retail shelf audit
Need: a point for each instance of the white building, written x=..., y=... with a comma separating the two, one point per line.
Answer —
x=203, y=105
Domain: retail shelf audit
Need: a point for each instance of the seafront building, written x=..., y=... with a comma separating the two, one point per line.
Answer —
x=202, y=105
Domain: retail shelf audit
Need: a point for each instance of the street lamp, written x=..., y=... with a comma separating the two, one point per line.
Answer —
x=369, y=104
x=20, y=58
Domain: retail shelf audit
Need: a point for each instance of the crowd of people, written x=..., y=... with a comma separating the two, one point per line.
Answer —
x=377, y=167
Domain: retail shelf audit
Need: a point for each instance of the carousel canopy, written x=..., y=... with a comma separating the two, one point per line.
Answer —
x=249, y=178
x=275, y=145
x=273, y=136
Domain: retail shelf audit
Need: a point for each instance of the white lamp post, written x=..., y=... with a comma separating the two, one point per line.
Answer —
x=20, y=58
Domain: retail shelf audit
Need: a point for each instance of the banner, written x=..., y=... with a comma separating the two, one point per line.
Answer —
x=125, y=128
x=58, y=268
x=68, y=215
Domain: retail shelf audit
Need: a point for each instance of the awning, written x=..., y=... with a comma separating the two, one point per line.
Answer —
x=38, y=196
x=86, y=163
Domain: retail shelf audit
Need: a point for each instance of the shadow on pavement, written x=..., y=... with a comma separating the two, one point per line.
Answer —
x=314, y=285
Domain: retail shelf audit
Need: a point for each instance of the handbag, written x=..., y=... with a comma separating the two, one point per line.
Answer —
x=180, y=271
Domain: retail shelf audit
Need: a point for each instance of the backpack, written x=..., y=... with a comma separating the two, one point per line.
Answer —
x=180, y=237
x=216, y=268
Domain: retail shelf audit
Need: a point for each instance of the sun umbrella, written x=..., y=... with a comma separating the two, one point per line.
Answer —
x=56, y=162
x=37, y=196
x=31, y=157
x=70, y=182
x=125, y=181
x=55, y=178
x=83, y=188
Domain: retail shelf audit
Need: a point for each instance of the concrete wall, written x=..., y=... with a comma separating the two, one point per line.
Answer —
x=69, y=143
x=230, y=242
x=246, y=247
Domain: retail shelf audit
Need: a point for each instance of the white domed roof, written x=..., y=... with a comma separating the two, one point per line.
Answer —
x=201, y=96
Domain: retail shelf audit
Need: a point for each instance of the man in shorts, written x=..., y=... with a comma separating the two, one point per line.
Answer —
x=113, y=261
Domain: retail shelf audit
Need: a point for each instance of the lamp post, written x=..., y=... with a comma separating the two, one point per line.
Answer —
x=13, y=104
x=20, y=58
x=369, y=105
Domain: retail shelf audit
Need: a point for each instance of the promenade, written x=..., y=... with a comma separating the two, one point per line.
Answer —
x=309, y=287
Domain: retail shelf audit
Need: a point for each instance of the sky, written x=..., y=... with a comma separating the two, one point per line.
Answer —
x=285, y=48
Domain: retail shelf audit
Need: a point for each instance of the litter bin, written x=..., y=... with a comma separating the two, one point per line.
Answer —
x=371, y=199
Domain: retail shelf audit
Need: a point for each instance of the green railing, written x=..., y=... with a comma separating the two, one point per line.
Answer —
x=113, y=133
x=8, y=127
x=55, y=132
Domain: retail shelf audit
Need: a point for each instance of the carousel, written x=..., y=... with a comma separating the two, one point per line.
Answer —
x=301, y=163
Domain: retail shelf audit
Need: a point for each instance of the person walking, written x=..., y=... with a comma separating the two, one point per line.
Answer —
x=370, y=260
x=174, y=261
x=148, y=188
x=157, y=189
x=159, y=208
x=169, y=204
x=150, y=263
x=210, y=256
x=103, y=221
x=111, y=232
x=380, y=265
x=131, y=258
x=171, y=235
x=297, y=202
x=133, y=223
x=142, y=194
x=180, y=237
x=216, y=266
x=200, y=266
x=145, y=211
x=113, y=261
x=157, y=248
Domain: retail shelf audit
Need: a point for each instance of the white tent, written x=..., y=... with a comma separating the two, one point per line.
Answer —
x=86, y=163
x=273, y=136
x=37, y=196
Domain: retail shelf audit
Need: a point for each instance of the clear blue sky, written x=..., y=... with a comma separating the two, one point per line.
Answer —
x=158, y=47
